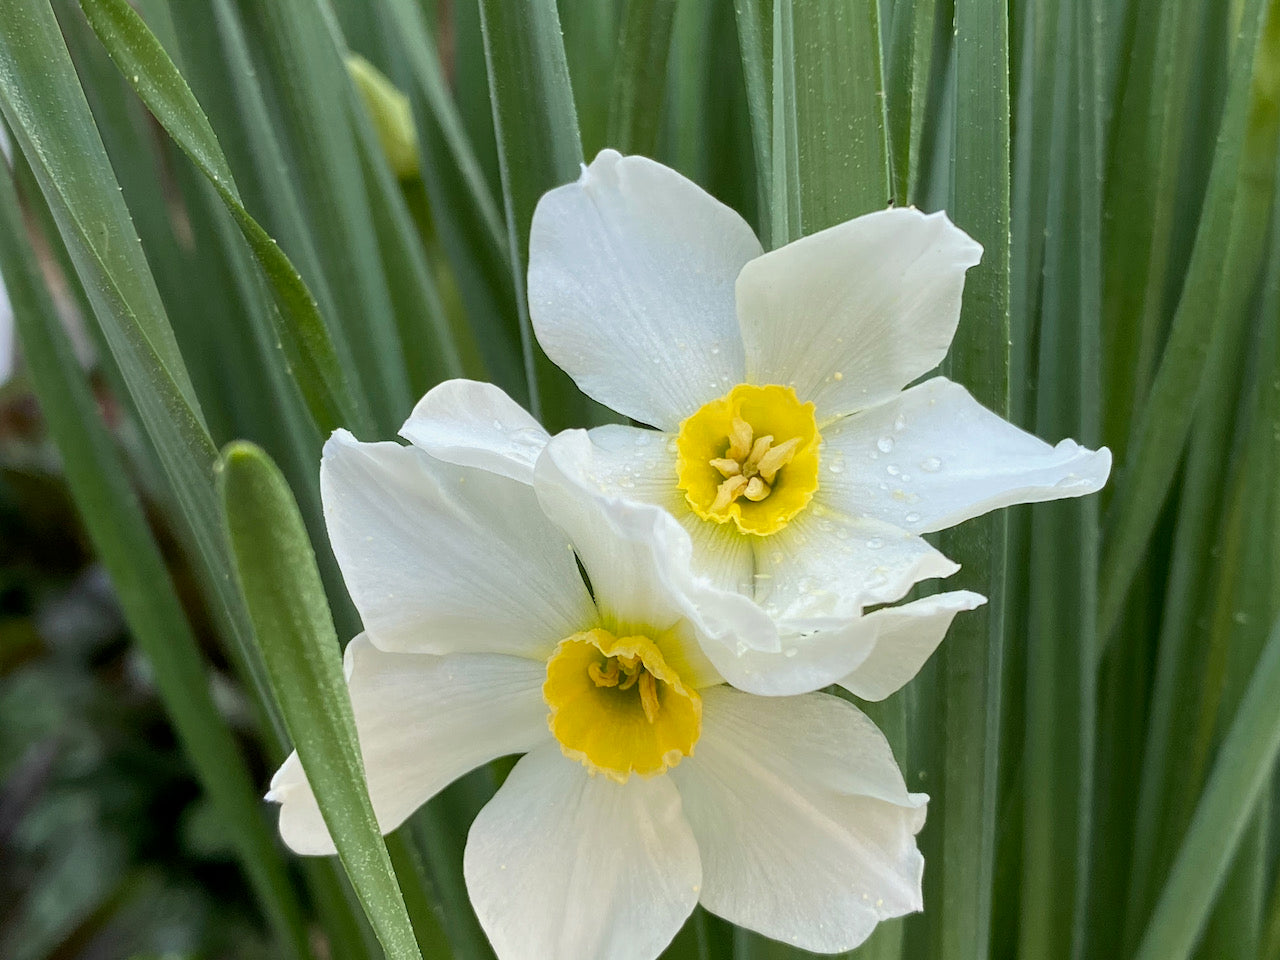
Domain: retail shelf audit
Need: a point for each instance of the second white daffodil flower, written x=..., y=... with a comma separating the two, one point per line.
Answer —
x=647, y=785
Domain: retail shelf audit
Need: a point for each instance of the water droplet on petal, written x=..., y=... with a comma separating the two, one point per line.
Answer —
x=912, y=517
x=885, y=444
x=931, y=465
x=875, y=543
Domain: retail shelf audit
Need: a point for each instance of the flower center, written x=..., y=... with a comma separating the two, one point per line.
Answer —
x=750, y=457
x=617, y=707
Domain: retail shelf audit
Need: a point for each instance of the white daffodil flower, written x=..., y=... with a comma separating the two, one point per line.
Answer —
x=647, y=785
x=785, y=442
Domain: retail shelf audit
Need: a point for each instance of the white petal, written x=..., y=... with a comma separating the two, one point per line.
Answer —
x=829, y=565
x=802, y=662
x=906, y=637
x=933, y=456
x=631, y=279
x=852, y=314
x=444, y=559
x=423, y=721
x=562, y=864
x=637, y=559
x=721, y=555
x=635, y=462
x=872, y=655
x=803, y=821
x=474, y=424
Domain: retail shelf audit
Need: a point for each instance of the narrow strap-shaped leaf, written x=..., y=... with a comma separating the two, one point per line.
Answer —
x=144, y=63
x=829, y=150
x=1243, y=768
x=1061, y=697
x=123, y=541
x=755, y=41
x=415, y=885
x=969, y=667
x=1146, y=205
x=1224, y=264
x=635, y=107
x=538, y=149
x=591, y=31
x=45, y=107
x=841, y=129
x=899, y=73
x=784, y=151
x=277, y=571
x=1270, y=948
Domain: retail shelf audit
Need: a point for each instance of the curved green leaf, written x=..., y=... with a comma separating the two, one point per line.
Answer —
x=277, y=571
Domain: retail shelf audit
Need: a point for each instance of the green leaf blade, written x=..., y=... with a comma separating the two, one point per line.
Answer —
x=286, y=599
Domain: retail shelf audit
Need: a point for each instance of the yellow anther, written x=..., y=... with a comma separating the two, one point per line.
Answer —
x=632, y=674
x=739, y=439
x=728, y=492
x=649, y=696
x=727, y=467
x=756, y=490
x=777, y=458
x=606, y=676
x=758, y=450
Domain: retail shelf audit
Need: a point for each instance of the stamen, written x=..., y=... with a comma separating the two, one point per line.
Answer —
x=727, y=493
x=649, y=696
x=625, y=673
x=777, y=458
x=756, y=490
x=739, y=439
x=727, y=467
x=758, y=450
x=606, y=677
